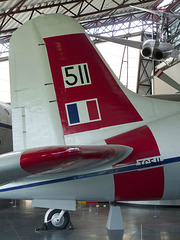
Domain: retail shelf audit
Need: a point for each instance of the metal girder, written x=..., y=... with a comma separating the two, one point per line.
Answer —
x=107, y=16
x=80, y=9
x=144, y=81
x=114, y=25
x=83, y=4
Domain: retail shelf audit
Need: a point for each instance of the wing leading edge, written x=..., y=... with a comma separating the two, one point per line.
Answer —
x=122, y=41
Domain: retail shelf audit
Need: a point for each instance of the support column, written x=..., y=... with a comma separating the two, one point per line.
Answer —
x=115, y=220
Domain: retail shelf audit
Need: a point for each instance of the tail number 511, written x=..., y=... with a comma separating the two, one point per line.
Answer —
x=76, y=75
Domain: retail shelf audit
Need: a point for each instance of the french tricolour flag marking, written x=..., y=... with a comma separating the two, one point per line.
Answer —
x=83, y=111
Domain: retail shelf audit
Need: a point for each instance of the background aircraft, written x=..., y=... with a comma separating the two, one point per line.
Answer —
x=79, y=134
x=5, y=128
x=154, y=49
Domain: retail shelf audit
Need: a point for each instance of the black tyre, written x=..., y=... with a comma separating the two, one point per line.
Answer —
x=54, y=224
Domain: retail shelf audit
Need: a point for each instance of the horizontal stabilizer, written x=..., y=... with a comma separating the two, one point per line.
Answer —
x=126, y=42
x=10, y=167
x=60, y=159
x=68, y=159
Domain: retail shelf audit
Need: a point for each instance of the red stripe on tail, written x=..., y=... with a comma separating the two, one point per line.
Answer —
x=79, y=74
x=92, y=109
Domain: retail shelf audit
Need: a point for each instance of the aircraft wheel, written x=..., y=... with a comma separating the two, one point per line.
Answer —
x=53, y=222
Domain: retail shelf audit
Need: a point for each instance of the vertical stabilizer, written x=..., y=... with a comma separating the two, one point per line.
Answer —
x=60, y=85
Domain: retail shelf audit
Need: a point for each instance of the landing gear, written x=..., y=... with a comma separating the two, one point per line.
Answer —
x=56, y=219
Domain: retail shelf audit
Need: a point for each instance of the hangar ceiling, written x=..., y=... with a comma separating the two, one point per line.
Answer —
x=90, y=13
x=113, y=17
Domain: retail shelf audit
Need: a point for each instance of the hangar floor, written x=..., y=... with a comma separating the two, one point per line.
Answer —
x=162, y=223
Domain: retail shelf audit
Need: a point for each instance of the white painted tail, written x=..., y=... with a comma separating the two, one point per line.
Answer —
x=62, y=90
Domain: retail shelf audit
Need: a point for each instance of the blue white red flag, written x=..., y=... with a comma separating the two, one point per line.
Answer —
x=83, y=111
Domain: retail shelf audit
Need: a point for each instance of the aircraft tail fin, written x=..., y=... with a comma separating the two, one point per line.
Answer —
x=88, y=95
x=60, y=85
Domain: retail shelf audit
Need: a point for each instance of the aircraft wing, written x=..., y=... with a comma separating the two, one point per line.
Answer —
x=175, y=54
x=126, y=42
x=60, y=159
x=164, y=77
x=160, y=13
